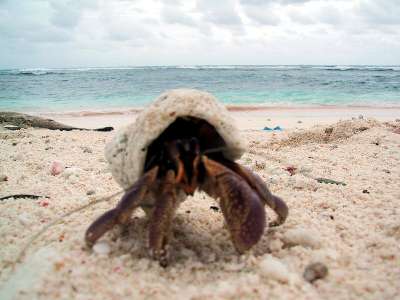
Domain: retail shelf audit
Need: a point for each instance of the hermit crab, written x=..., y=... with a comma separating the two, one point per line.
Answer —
x=183, y=142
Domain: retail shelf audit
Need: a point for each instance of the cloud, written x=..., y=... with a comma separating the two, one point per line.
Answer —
x=385, y=12
x=219, y=12
x=301, y=17
x=329, y=14
x=60, y=33
x=174, y=14
x=293, y=1
x=263, y=14
x=267, y=2
x=67, y=13
x=29, y=22
x=125, y=23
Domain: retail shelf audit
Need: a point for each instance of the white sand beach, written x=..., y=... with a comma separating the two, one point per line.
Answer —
x=247, y=117
x=352, y=229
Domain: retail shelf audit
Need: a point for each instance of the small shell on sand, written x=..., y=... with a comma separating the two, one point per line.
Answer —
x=3, y=177
x=102, y=248
x=127, y=151
x=12, y=127
x=271, y=267
x=56, y=168
x=24, y=219
x=68, y=172
x=303, y=237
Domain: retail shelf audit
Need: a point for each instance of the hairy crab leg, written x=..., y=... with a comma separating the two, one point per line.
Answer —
x=124, y=209
x=242, y=207
x=257, y=184
x=161, y=219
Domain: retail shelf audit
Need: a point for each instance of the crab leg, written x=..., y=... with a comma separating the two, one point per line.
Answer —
x=161, y=219
x=124, y=209
x=257, y=184
x=241, y=205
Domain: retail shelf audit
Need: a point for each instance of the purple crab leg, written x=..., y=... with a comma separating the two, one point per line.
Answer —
x=124, y=209
x=161, y=219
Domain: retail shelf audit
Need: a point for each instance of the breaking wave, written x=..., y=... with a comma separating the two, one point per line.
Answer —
x=337, y=68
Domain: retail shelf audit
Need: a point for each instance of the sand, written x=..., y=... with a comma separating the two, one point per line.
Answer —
x=352, y=229
x=249, y=117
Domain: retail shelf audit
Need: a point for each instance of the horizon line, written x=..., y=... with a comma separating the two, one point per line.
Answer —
x=200, y=65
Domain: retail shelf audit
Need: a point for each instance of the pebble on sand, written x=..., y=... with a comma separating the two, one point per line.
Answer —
x=102, y=248
x=24, y=219
x=72, y=171
x=302, y=237
x=271, y=267
x=87, y=150
x=3, y=177
x=17, y=157
x=56, y=168
x=275, y=245
x=315, y=271
x=90, y=192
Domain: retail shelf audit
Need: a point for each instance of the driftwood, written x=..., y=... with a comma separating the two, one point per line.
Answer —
x=25, y=121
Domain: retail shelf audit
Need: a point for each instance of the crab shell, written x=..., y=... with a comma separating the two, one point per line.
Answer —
x=126, y=153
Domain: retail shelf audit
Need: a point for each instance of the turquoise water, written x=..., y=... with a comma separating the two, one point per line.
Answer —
x=111, y=88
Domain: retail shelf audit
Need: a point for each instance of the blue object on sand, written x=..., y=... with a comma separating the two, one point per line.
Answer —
x=277, y=128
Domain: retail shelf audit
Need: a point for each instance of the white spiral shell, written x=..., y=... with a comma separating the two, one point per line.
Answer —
x=126, y=152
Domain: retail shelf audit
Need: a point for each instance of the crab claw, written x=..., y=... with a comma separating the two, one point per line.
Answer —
x=258, y=185
x=102, y=224
x=242, y=207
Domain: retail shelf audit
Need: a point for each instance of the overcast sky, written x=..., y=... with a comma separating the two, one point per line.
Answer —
x=73, y=33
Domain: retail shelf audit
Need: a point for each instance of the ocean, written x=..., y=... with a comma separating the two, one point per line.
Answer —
x=57, y=90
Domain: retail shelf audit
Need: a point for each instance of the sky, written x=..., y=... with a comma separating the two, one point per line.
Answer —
x=107, y=33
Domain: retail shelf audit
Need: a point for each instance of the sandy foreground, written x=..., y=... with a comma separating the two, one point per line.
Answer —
x=353, y=229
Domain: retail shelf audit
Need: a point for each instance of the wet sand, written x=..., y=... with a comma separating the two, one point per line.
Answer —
x=248, y=117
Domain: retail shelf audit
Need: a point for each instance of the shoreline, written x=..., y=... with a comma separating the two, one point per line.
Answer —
x=248, y=117
x=230, y=107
